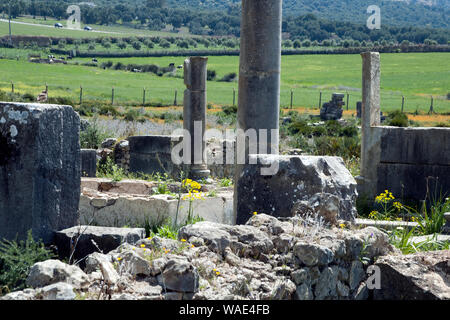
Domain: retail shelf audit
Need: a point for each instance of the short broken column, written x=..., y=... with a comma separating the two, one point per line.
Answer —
x=370, y=116
x=40, y=169
x=194, y=115
x=88, y=163
x=259, y=89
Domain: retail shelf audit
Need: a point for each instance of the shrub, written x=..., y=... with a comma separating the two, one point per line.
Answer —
x=164, y=44
x=93, y=136
x=397, y=119
x=211, y=75
x=230, y=77
x=121, y=44
x=137, y=45
x=16, y=259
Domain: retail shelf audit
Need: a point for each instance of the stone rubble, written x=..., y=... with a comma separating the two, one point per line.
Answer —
x=265, y=259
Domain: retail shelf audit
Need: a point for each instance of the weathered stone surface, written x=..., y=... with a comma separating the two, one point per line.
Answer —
x=39, y=169
x=118, y=210
x=423, y=146
x=299, y=178
x=153, y=154
x=57, y=291
x=53, y=271
x=218, y=237
x=108, y=143
x=105, y=238
x=313, y=254
x=194, y=115
x=356, y=275
x=333, y=110
x=413, y=181
x=420, y=276
x=27, y=294
x=88, y=163
x=235, y=262
x=102, y=262
x=326, y=284
x=179, y=276
x=134, y=264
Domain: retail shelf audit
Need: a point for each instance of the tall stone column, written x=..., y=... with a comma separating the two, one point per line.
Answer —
x=259, y=84
x=194, y=114
x=370, y=117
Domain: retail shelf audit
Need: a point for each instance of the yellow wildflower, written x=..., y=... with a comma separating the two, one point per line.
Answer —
x=142, y=245
x=183, y=240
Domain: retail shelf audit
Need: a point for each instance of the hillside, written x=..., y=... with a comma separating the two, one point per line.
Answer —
x=432, y=13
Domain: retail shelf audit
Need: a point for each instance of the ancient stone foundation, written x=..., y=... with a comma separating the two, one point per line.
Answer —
x=152, y=154
x=409, y=162
x=40, y=169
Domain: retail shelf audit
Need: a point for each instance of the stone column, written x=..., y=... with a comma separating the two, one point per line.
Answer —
x=194, y=114
x=370, y=117
x=259, y=83
x=40, y=169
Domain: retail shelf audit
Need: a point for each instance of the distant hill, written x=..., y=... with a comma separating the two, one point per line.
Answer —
x=423, y=13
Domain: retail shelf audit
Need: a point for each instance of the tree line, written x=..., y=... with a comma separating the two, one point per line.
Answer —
x=153, y=15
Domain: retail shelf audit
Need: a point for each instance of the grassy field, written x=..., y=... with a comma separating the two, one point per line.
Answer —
x=45, y=28
x=417, y=76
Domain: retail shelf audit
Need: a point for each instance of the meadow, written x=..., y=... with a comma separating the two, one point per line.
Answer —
x=417, y=76
x=40, y=27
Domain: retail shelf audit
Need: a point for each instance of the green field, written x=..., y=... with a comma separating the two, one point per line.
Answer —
x=45, y=28
x=417, y=76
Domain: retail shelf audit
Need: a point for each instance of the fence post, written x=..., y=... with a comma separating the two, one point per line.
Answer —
x=348, y=96
x=81, y=95
x=143, y=98
x=112, y=96
x=431, y=107
x=320, y=100
x=234, y=97
x=292, y=98
x=12, y=87
x=403, y=103
x=175, y=101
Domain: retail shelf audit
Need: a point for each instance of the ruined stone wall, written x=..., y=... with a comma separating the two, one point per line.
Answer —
x=410, y=162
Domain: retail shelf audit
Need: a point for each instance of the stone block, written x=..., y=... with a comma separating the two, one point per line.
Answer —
x=409, y=181
x=418, y=146
x=153, y=154
x=299, y=178
x=40, y=169
x=105, y=238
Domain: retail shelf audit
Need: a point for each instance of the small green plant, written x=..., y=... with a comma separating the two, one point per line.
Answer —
x=163, y=184
x=398, y=119
x=93, y=136
x=16, y=259
x=431, y=221
x=225, y=182
x=110, y=170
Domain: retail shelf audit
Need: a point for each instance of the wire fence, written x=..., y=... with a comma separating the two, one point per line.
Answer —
x=308, y=98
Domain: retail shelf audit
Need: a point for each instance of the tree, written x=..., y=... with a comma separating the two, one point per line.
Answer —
x=297, y=44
